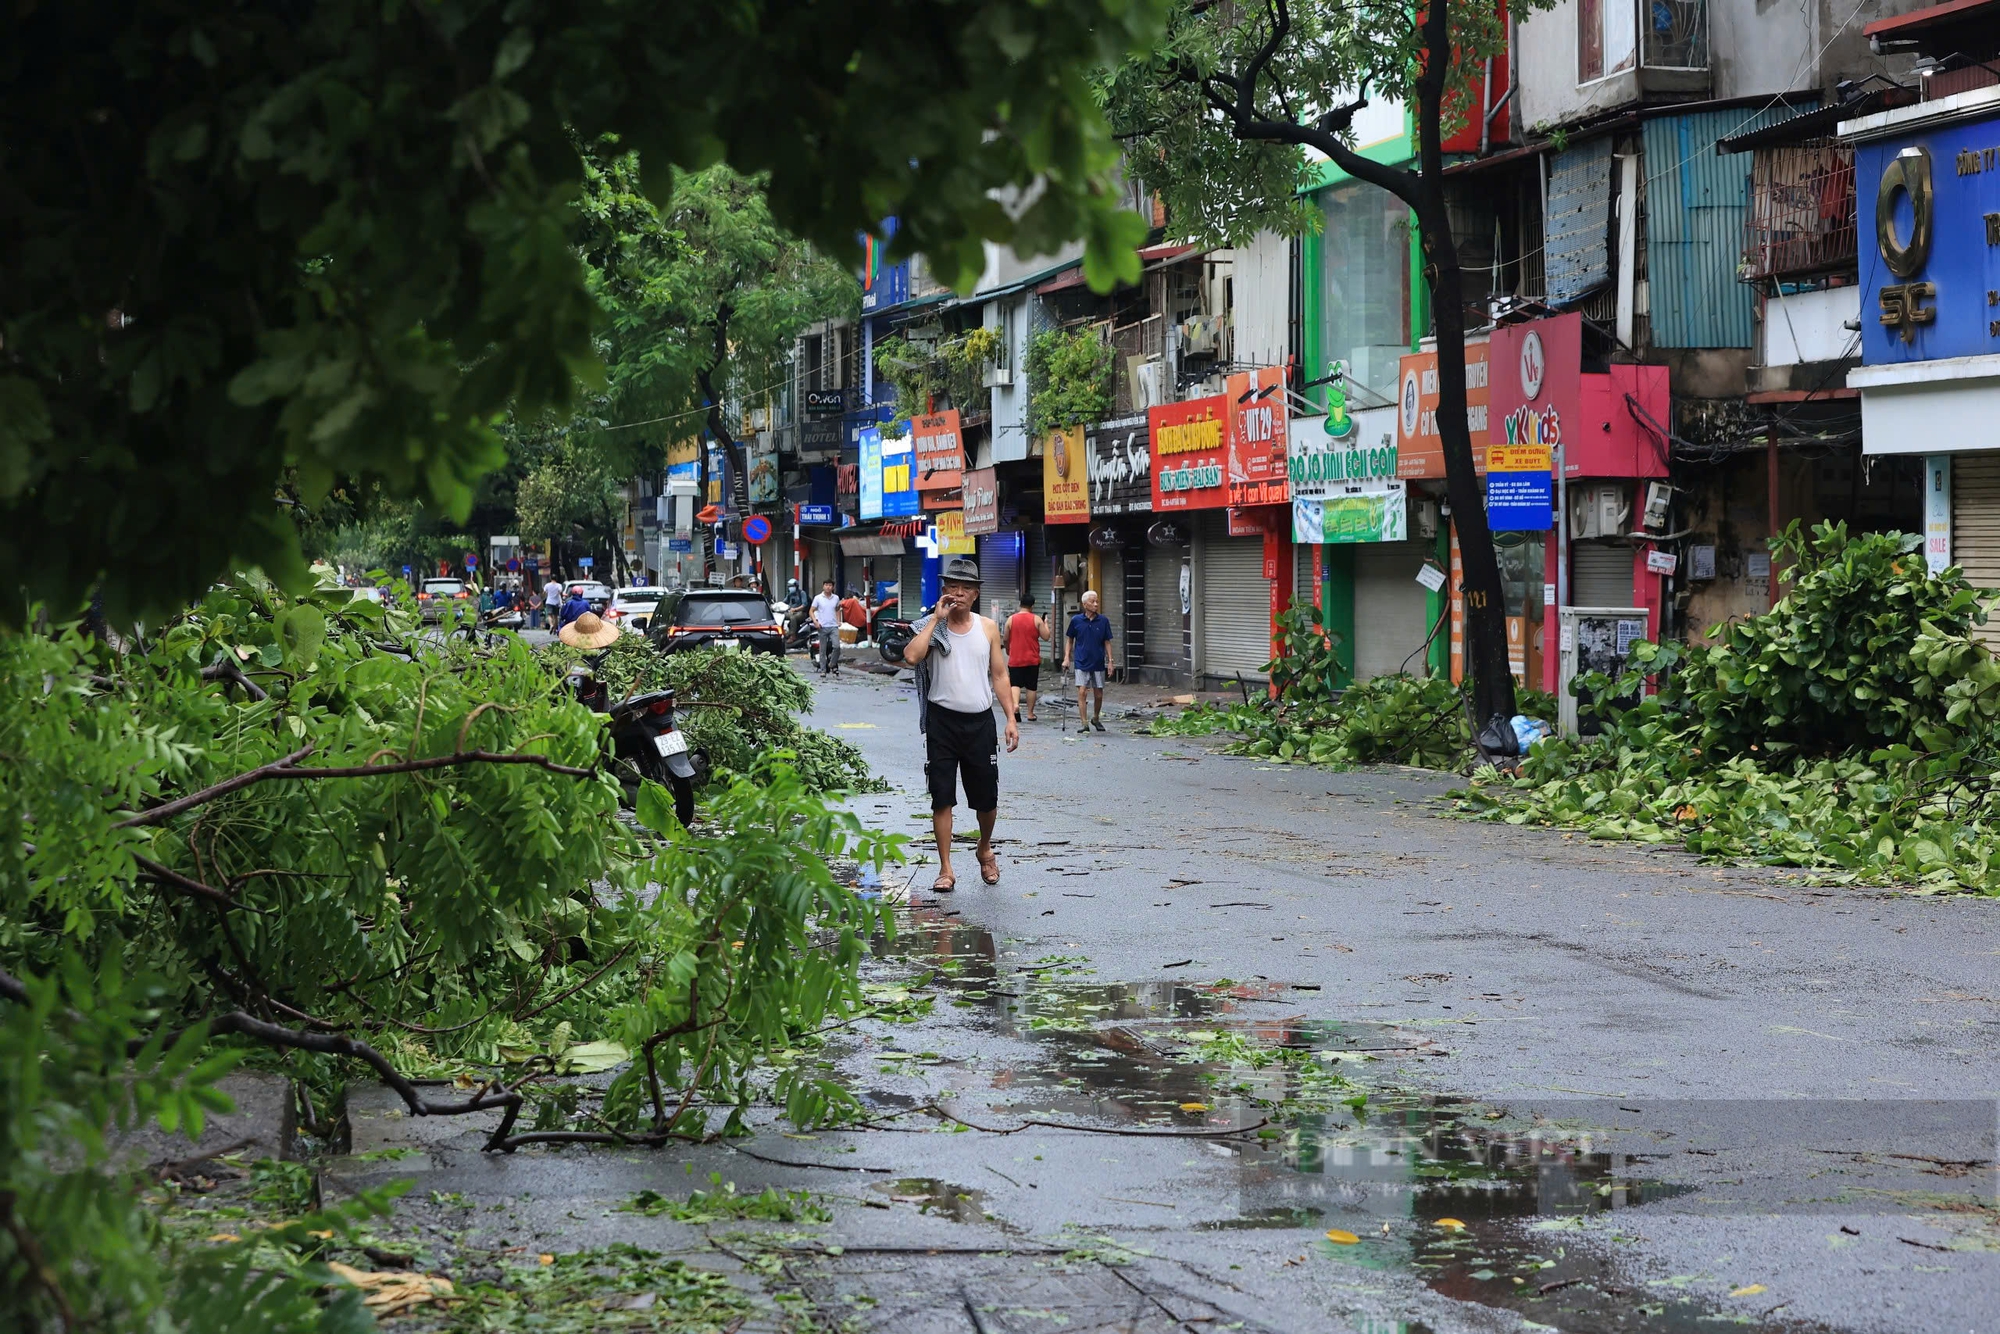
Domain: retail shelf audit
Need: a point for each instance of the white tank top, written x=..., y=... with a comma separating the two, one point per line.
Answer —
x=962, y=680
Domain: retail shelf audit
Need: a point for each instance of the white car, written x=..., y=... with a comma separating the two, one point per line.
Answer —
x=631, y=609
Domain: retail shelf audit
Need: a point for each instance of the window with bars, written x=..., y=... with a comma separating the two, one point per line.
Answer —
x=1801, y=214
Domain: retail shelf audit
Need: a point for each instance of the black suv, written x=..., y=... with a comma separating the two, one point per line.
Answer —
x=724, y=618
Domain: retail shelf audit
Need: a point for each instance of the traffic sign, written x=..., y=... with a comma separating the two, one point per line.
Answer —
x=471, y=561
x=680, y=544
x=756, y=530
x=514, y=566
x=586, y=562
x=816, y=516
x=406, y=571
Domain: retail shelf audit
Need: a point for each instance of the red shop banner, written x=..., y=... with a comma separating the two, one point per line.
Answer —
x=1190, y=449
x=1537, y=374
x=940, y=457
x=1259, y=430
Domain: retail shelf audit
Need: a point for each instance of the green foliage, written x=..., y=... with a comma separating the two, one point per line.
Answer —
x=1069, y=379
x=1867, y=648
x=1850, y=730
x=431, y=869
x=342, y=242
x=1199, y=719
x=714, y=1206
x=619, y=1287
x=926, y=366
x=1306, y=665
x=82, y=1059
x=743, y=705
x=1225, y=188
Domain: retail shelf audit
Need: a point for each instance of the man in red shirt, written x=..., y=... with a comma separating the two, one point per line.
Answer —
x=1026, y=633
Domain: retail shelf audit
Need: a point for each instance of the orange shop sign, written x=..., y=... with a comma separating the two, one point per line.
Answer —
x=1065, y=486
x=1259, y=430
x=1189, y=449
x=1419, y=447
x=940, y=454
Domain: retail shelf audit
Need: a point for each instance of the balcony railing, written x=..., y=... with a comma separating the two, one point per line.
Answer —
x=1801, y=214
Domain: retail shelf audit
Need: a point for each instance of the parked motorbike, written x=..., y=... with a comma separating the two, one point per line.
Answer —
x=645, y=737
x=891, y=638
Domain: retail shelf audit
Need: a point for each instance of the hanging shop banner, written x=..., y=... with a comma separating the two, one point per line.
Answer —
x=899, y=478
x=684, y=468
x=940, y=456
x=1188, y=453
x=871, y=474
x=982, y=501
x=1258, y=437
x=1520, y=489
x=718, y=475
x=764, y=468
x=1065, y=488
x=1419, y=447
x=1537, y=381
x=951, y=536
x=1121, y=466
x=1364, y=459
x=1380, y=516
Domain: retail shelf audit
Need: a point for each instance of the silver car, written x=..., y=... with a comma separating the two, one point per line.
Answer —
x=632, y=608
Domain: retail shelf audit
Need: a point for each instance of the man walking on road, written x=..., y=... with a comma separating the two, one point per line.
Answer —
x=826, y=618
x=1025, y=633
x=1086, y=639
x=552, y=603
x=961, y=672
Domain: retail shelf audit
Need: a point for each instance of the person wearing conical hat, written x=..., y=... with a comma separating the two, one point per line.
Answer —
x=588, y=632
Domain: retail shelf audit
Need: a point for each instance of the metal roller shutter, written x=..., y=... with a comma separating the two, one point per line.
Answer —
x=1302, y=574
x=911, y=577
x=1132, y=603
x=1600, y=574
x=1388, y=608
x=1111, y=576
x=1235, y=601
x=1165, y=635
x=1975, y=528
x=1041, y=581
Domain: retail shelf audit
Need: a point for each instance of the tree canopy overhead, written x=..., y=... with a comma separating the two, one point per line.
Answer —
x=253, y=249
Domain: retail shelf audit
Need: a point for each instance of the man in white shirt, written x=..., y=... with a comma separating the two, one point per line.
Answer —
x=961, y=674
x=826, y=616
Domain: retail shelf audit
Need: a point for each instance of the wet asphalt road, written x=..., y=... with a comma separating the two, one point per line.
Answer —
x=1659, y=1094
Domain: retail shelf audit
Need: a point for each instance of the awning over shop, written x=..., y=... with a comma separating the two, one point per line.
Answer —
x=870, y=544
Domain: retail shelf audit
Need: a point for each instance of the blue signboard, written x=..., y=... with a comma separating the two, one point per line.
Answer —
x=1519, y=502
x=871, y=473
x=816, y=516
x=680, y=544
x=899, y=477
x=1929, y=243
x=585, y=562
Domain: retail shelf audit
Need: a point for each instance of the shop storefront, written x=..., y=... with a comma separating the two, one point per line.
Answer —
x=1927, y=186
x=1119, y=458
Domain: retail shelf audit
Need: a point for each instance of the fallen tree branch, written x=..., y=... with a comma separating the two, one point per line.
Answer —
x=287, y=768
x=224, y=669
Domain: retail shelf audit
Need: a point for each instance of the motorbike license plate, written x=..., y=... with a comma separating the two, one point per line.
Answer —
x=671, y=743
x=728, y=643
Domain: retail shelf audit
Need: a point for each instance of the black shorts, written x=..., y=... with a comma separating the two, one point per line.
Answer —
x=1026, y=678
x=962, y=743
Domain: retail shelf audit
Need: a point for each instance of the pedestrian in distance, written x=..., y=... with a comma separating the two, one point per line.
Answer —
x=1086, y=639
x=826, y=619
x=961, y=672
x=552, y=603
x=534, y=608
x=1026, y=633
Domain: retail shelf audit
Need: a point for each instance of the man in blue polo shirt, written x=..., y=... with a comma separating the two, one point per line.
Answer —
x=1085, y=639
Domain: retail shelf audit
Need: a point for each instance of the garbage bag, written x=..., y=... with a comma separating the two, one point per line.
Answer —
x=1497, y=737
x=1527, y=731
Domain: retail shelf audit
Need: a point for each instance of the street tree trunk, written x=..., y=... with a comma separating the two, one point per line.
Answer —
x=1486, y=658
x=1236, y=97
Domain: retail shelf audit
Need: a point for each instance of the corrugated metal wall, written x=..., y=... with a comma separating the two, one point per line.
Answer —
x=1695, y=203
x=1262, y=286
x=1577, y=226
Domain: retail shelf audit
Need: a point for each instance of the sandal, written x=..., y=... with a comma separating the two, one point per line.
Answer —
x=989, y=867
x=944, y=884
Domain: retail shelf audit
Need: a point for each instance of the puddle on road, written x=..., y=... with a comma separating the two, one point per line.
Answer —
x=1479, y=1214
x=932, y=1196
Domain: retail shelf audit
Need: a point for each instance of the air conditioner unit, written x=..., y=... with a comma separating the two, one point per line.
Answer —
x=999, y=377
x=1599, y=509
